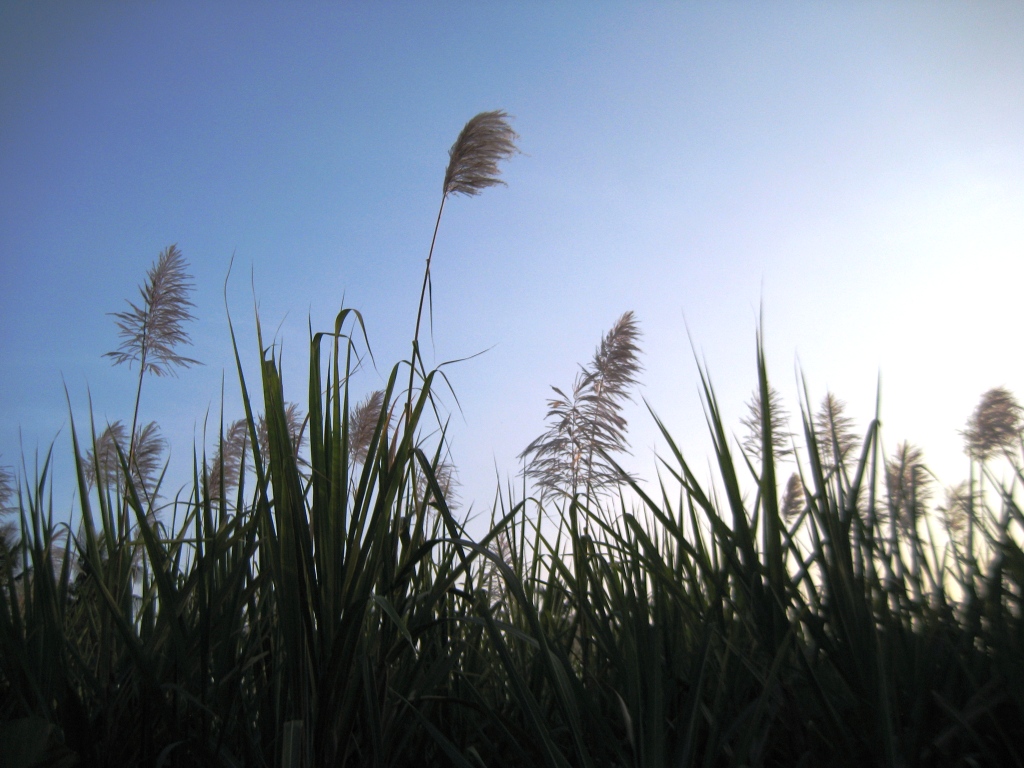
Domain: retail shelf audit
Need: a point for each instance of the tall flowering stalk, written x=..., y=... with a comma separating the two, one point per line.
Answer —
x=485, y=141
x=996, y=425
x=587, y=425
x=152, y=331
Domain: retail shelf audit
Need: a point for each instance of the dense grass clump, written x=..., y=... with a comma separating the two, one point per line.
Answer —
x=338, y=614
x=324, y=606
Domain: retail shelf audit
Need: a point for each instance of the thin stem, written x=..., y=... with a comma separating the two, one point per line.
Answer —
x=131, y=434
x=419, y=314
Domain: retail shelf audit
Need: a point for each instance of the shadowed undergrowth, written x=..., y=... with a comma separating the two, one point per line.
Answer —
x=338, y=613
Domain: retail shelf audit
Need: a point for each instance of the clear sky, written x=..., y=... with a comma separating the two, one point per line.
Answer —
x=856, y=169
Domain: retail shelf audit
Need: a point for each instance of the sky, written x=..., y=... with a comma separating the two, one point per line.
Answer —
x=848, y=176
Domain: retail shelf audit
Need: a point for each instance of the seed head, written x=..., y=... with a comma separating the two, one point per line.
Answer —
x=995, y=423
x=151, y=332
x=473, y=160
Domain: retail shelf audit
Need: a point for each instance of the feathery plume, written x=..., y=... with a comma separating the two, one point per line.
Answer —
x=7, y=488
x=490, y=577
x=779, y=419
x=833, y=427
x=361, y=425
x=908, y=484
x=10, y=555
x=473, y=159
x=101, y=462
x=588, y=425
x=104, y=464
x=228, y=463
x=11, y=551
x=447, y=481
x=151, y=332
x=957, y=510
x=995, y=424
x=793, y=499
x=296, y=430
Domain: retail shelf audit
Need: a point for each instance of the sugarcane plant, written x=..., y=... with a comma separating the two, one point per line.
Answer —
x=314, y=600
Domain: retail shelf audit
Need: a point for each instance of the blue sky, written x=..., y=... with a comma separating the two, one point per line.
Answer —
x=856, y=170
